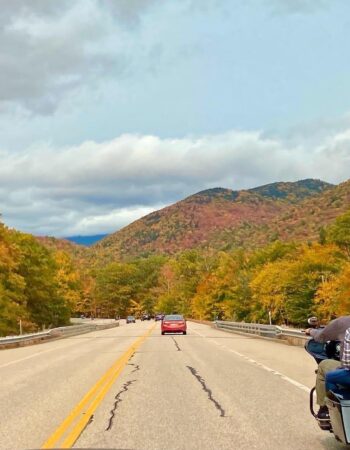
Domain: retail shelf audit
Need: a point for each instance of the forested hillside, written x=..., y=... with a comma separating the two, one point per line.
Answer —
x=293, y=265
x=222, y=219
x=290, y=280
x=282, y=248
x=38, y=286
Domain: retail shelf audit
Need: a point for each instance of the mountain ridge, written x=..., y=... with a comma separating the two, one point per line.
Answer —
x=208, y=217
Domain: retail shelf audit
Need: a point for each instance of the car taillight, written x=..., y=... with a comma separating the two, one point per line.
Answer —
x=166, y=323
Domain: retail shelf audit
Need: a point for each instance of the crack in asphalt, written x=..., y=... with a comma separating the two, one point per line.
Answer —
x=176, y=344
x=91, y=419
x=207, y=390
x=118, y=400
x=136, y=368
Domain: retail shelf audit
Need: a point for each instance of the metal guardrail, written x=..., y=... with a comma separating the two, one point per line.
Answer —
x=71, y=330
x=74, y=329
x=251, y=328
x=292, y=332
x=23, y=337
x=272, y=331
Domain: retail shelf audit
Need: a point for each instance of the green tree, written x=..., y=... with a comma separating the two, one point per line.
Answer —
x=45, y=303
x=12, y=285
x=116, y=287
x=339, y=232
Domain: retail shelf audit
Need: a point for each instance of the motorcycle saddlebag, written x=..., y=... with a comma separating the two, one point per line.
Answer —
x=339, y=412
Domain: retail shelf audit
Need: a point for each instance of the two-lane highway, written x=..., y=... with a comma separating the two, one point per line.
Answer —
x=41, y=384
x=206, y=390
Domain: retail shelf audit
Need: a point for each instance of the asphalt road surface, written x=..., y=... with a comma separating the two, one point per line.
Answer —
x=207, y=390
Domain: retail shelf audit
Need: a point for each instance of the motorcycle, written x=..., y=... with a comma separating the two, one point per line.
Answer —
x=338, y=402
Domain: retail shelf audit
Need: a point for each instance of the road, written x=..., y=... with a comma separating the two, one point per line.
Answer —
x=207, y=390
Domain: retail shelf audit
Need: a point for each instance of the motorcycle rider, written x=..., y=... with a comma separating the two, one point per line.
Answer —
x=334, y=331
x=341, y=376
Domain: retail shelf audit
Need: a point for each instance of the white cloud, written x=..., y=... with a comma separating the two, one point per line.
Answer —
x=108, y=222
x=98, y=187
x=50, y=51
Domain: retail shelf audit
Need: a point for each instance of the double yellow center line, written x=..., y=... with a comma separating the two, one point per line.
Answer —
x=70, y=429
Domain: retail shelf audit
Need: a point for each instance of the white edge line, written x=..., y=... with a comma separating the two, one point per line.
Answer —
x=258, y=364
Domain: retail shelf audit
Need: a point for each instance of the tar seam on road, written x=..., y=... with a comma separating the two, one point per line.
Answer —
x=207, y=390
x=118, y=399
x=176, y=344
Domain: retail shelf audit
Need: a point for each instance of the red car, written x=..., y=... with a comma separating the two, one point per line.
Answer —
x=174, y=323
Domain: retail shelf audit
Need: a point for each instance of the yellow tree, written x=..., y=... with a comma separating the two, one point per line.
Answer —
x=333, y=296
x=87, y=303
x=68, y=280
x=12, y=287
x=269, y=291
x=203, y=302
x=288, y=287
x=224, y=292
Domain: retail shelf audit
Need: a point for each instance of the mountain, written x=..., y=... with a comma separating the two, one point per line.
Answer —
x=78, y=252
x=304, y=221
x=86, y=240
x=292, y=192
x=223, y=218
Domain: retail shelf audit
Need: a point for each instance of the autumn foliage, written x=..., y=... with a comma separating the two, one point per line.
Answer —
x=286, y=281
x=38, y=286
x=285, y=257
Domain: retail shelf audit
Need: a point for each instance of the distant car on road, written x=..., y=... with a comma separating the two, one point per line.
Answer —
x=159, y=317
x=145, y=317
x=130, y=319
x=174, y=323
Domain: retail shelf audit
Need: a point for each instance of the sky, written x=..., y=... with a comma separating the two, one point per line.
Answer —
x=110, y=109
